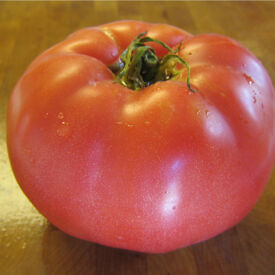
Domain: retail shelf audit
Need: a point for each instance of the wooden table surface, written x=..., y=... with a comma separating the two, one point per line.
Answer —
x=31, y=245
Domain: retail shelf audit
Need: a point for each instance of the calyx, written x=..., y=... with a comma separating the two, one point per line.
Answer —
x=140, y=67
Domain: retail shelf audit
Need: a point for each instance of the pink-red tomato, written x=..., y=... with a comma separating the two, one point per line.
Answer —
x=150, y=170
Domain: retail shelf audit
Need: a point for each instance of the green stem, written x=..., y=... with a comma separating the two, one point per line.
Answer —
x=140, y=67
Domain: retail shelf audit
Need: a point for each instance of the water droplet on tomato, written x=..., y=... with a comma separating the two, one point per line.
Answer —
x=60, y=115
x=92, y=83
x=64, y=130
x=249, y=79
x=207, y=113
x=60, y=133
x=114, y=54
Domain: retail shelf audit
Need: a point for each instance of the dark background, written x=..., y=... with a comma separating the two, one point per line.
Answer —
x=28, y=243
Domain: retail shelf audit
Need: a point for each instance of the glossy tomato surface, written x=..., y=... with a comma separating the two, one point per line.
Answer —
x=150, y=170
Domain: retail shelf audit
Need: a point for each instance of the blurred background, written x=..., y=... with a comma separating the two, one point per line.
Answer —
x=28, y=243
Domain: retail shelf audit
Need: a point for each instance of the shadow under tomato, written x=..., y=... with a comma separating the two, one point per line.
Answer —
x=63, y=254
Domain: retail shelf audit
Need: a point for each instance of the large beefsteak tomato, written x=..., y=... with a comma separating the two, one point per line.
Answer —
x=154, y=169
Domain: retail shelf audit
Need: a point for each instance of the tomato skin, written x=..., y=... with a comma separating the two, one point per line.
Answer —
x=153, y=170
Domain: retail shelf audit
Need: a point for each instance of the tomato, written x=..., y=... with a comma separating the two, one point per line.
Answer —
x=150, y=170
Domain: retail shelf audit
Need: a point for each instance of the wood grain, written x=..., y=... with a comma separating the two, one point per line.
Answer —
x=28, y=243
